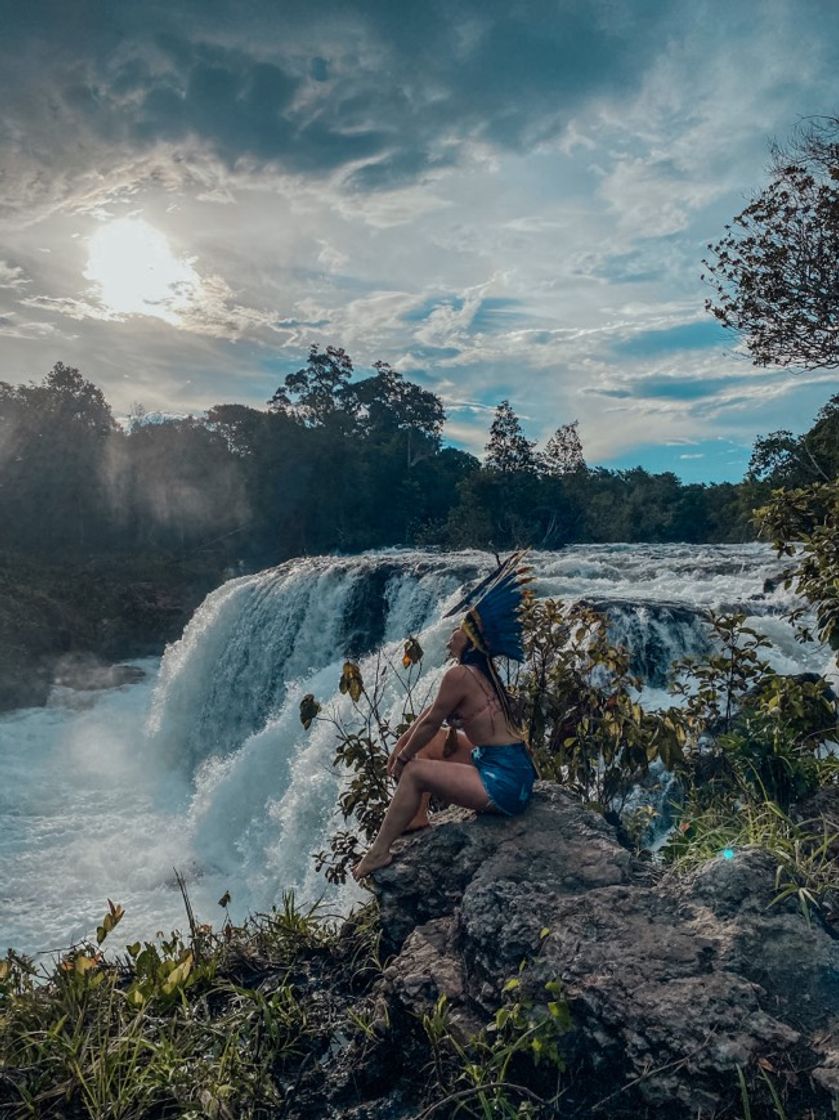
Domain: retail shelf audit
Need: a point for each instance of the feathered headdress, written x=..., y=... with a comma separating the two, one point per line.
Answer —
x=492, y=621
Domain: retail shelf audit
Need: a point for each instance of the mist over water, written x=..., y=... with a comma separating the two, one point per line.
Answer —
x=204, y=765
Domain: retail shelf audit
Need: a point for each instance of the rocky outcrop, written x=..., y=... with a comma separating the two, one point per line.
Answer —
x=66, y=625
x=671, y=983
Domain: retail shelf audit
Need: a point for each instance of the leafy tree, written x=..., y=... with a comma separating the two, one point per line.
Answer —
x=775, y=272
x=53, y=438
x=563, y=453
x=508, y=450
x=804, y=525
x=318, y=392
x=783, y=459
x=390, y=409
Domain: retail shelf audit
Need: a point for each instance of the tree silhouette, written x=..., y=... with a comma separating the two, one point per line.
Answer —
x=508, y=451
x=563, y=453
x=776, y=271
x=318, y=391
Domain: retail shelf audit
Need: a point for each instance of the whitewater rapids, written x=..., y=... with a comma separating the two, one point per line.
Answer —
x=204, y=765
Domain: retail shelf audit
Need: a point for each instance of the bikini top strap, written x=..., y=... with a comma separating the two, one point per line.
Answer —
x=489, y=693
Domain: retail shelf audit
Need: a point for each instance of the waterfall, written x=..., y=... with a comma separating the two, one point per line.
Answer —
x=208, y=768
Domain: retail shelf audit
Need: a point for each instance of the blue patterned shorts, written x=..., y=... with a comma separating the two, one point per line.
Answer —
x=507, y=775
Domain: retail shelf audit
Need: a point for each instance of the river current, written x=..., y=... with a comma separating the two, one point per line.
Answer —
x=204, y=765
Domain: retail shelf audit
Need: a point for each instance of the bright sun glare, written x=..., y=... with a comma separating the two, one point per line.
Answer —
x=137, y=272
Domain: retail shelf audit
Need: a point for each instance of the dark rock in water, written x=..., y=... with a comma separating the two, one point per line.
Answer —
x=772, y=583
x=365, y=614
x=655, y=633
x=24, y=683
x=672, y=984
x=99, y=610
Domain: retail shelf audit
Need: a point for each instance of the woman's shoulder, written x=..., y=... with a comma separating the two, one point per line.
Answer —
x=457, y=673
x=460, y=677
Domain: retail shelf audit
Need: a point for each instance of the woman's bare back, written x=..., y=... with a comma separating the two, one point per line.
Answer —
x=479, y=714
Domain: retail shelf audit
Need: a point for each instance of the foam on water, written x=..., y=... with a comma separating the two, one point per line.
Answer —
x=205, y=766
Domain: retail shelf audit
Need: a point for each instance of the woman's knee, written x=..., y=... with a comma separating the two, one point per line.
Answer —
x=412, y=774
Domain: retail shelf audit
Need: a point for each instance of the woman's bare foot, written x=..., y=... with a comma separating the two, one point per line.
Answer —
x=371, y=862
x=416, y=826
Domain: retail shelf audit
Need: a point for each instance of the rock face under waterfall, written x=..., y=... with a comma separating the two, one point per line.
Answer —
x=671, y=984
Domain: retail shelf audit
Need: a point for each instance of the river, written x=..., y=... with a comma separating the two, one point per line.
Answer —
x=204, y=764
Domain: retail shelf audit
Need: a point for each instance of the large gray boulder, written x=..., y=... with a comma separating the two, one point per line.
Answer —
x=671, y=983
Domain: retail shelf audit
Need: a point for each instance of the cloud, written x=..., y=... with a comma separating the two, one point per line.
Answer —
x=392, y=96
x=500, y=200
x=654, y=196
x=72, y=308
x=12, y=276
x=11, y=328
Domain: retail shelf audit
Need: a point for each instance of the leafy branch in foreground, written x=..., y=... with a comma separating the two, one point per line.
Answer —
x=581, y=704
x=364, y=752
x=804, y=524
x=755, y=734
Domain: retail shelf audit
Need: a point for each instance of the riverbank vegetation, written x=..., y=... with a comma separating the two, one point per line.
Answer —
x=135, y=526
x=348, y=466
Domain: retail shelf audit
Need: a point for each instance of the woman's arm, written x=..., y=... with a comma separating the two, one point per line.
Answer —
x=428, y=723
x=405, y=737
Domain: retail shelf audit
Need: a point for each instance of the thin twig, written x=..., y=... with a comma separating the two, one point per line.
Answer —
x=463, y=1093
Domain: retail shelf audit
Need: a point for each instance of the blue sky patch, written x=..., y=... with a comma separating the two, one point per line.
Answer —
x=687, y=336
x=712, y=460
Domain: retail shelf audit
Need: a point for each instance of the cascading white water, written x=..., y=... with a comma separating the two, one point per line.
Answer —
x=205, y=765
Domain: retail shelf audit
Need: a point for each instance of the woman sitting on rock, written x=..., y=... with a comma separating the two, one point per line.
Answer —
x=497, y=774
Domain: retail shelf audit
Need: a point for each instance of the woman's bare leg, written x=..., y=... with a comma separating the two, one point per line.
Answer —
x=460, y=785
x=434, y=750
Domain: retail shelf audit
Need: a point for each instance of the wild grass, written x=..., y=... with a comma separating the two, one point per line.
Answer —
x=804, y=851
x=213, y=1026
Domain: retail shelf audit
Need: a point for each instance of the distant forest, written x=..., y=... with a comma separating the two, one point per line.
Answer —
x=341, y=464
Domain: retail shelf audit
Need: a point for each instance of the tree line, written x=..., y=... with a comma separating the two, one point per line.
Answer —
x=335, y=464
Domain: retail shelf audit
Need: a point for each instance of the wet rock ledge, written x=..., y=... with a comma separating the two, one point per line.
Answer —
x=671, y=983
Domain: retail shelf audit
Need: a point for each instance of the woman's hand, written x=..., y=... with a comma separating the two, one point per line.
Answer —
x=395, y=766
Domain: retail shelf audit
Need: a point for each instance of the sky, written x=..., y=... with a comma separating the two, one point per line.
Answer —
x=503, y=200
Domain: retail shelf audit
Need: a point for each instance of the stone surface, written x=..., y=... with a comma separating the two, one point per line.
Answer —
x=671, y=982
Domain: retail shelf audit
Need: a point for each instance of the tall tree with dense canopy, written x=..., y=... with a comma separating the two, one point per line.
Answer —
x=508, y=450
x=390, y=409
x=563, y=452
x=53, y=440
x=319, y=391
x=776, y=270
